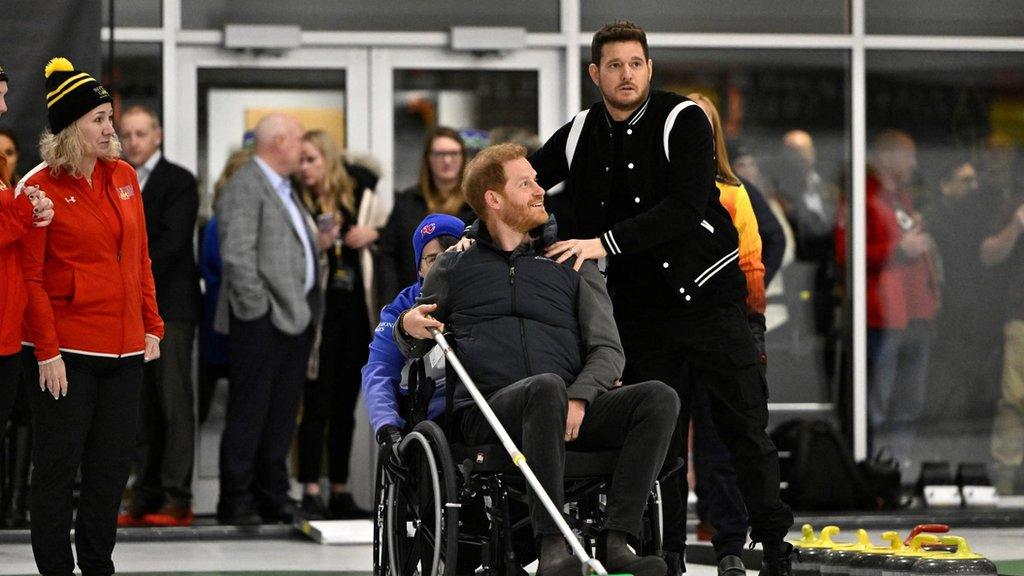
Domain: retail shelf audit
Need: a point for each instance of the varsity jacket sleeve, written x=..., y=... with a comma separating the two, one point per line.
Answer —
x=383, y=371
x=435, y=291
x=605, y=359
x=151, y=320
x=15, y=216
x=549, y=161
x=691, y=180
x=177, y=219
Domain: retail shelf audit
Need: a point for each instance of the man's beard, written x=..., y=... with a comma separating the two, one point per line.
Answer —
x=521, y=218
x=627, y=106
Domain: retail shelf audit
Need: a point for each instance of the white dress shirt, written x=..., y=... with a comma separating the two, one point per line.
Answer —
x=146, y=169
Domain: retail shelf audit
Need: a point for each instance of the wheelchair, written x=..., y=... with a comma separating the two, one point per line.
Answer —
x=462, y=509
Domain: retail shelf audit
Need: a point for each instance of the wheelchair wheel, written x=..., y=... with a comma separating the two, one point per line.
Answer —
x=421, y=514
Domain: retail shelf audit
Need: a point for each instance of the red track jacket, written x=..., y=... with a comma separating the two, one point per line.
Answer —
x=15, y=221
x=90, y=292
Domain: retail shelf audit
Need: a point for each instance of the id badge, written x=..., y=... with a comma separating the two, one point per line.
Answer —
x=343, y=279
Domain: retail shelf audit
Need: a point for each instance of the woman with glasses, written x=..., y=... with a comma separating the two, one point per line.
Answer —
x=437, y=191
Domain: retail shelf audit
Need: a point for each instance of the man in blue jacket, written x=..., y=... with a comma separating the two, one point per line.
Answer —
x=384, y=372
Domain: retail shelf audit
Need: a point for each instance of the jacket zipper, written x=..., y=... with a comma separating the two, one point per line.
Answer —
x=522, y=328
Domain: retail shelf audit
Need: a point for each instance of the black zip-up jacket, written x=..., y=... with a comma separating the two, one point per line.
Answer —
x=667, y=235
x=519, y=314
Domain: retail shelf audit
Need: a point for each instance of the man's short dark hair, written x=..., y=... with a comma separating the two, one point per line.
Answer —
x=618, y=31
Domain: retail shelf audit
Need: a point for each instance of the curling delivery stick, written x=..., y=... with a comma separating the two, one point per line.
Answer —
x=589, y=565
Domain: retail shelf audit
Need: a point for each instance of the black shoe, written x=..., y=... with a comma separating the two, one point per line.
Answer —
x=238, y=514
x=777, y=559
x=343, y=507
x=731, y=565
x=313, y=507
x=617, y=558
x=675, y=564
x=283, y=513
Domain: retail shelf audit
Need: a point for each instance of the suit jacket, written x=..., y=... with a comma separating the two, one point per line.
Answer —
x=264, y=265
x=171, y=201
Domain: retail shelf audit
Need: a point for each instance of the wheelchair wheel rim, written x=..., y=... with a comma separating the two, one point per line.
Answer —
x=418, y=535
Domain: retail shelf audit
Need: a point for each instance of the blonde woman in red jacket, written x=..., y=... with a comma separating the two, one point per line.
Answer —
x=93, y=320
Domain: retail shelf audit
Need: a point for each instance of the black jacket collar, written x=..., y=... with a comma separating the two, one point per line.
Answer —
x=544, y=235
x=635, y=117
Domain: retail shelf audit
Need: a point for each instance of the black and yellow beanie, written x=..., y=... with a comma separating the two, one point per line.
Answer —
x=3, y=75
x=70, y=94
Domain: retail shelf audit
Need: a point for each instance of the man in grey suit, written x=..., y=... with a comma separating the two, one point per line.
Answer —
x=269, y=304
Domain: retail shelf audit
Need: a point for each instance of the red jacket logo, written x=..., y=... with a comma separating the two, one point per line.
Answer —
x=125, y=192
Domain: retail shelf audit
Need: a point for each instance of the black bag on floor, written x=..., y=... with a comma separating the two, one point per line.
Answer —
x=817, y=470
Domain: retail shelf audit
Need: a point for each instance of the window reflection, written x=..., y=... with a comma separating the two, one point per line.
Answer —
x=945, y=263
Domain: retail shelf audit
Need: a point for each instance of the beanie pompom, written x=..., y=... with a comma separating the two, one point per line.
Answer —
x=58, y=65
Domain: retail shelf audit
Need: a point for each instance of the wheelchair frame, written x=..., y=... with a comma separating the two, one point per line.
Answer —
x=419, y=523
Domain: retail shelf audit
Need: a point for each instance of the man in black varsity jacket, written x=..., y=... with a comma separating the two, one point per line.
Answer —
x=632, y=179
x=162, y=494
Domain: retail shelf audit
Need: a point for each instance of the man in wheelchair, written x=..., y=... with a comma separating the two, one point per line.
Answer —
x=540, y=342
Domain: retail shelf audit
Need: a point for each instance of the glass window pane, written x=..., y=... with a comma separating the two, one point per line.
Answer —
x=138, y=76
x=535, y=15
x=134, y=13
x=471, y=101
x=763, y=95
x=793, y=16
x=945, y=17
x=945, y=176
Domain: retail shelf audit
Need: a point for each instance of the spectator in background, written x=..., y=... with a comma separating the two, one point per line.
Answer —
x=441, y=167
x=964, y=368
x=810, y=205
x=335, y=194
x=9, y=149
x=269, y=306
x=1004, y=248
x=770, y=217
x=903, y=296
x=162, y=494
x=92, y=317
x=213, y=346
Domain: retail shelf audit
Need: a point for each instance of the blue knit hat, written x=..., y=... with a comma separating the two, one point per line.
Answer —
x=433, y=226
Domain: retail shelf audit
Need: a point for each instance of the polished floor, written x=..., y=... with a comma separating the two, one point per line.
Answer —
x=293, y=555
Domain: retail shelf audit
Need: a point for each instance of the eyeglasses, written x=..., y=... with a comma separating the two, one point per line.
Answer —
x=428, y=259
x=454, y=154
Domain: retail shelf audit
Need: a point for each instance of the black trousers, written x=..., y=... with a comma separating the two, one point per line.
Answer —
x=719, y=500
x=165, y=450
x=92, y=428
x=268, y=368
x=713, y=349
x=10, y=376
x=329, y=401
x=635, y=419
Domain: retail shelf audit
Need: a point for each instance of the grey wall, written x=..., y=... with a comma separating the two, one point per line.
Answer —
x=32, y=33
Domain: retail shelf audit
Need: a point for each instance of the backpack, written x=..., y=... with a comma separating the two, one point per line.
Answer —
x=817, y=470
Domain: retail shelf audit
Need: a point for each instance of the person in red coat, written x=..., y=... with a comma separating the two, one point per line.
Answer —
x=92, y=318
x=17, y=215
x=902, y=295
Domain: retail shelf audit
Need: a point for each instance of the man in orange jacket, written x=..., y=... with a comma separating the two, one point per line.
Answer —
x=17, y=214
